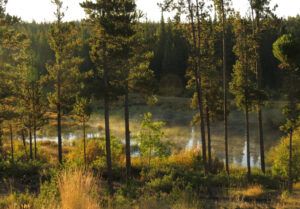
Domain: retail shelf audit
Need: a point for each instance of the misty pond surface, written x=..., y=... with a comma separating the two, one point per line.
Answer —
x=184, y=136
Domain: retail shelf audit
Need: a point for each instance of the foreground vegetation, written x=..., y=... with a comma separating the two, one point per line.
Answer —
x=175, y=181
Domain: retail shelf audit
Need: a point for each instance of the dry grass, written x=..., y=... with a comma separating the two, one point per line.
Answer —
x=297, y=186
x=78, y=190
x=254, y=191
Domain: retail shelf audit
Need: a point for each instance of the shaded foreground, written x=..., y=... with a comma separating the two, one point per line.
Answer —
x=175, y=182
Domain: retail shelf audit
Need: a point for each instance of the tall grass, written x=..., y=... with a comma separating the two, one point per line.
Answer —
x=78, y=190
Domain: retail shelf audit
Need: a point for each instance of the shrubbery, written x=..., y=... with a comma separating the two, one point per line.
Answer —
x=279, y=157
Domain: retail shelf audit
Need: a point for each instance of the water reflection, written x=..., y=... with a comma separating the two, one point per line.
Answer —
x=186, y=137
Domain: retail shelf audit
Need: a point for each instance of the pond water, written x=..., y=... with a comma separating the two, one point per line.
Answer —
x=186, y=137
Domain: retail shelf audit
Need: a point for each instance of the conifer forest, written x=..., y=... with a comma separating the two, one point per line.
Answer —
x=200, y=110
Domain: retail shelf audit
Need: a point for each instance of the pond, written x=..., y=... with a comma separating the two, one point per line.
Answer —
x=187, y=137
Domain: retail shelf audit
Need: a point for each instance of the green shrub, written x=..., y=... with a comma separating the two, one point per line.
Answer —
x=278, y=157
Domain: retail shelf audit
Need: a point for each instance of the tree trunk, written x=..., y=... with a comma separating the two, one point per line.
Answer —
x=24, y=143
x=198, y=77
x=34, y=122
x=107, y=133
x=84, y=144
x=35, y=145
x=225, y=89
x=30, y=144
x=127, y=137
x=11, y=143
x=261, y=140
x=247, y=136
x=59, y=137
x=290, y=162
x=1, y=142
x=208, y=138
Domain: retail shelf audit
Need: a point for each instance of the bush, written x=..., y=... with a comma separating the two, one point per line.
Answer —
x=95, y=152
x=278, y=157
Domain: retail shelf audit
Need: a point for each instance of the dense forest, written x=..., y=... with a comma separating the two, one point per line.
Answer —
x=200, y=110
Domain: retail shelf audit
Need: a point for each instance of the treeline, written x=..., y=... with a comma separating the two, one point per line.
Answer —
x=169, y=43
x=51, y=73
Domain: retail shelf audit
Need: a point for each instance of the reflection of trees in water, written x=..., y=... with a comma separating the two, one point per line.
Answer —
x=187, y=137
x=237, y=140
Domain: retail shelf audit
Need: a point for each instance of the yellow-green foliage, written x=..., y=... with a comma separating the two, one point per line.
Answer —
x=95, y=152
x=278, y=157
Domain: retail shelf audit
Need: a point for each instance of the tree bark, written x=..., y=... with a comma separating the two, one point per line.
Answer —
x=59, y=137
x=127, y=136
x=261, y=140
x=34, y=121
x=84, y=144
x=35, y=143
x=1, y=142
x=107, y=132
x=24, y=143
x=30, y=144
x=208, y=138
x=247, y=139
x=11, y=143
x=290, y=162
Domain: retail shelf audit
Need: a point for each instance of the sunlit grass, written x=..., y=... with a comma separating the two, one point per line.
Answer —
x=77, y=190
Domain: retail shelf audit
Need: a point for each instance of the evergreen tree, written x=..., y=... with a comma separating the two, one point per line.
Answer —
x=259, y=7
x=194, y=15
x=242, y=85
x=12, y=58
x=139, y=78
x=222, y=9
x=63, y=74
x=107, y=47
x=82, y=110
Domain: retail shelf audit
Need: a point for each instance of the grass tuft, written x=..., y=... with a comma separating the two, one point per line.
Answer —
x=77, y=190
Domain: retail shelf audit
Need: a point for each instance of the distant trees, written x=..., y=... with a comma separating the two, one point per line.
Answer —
x=170, y=59
x=63, y=75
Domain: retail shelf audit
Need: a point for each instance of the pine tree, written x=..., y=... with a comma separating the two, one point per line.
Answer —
x=260, y=8
x=32, y=105
x=222, y=9
x=211, y=81
x=12, y=58
x=139, y=78
x=63, y=74
x=242, y=85
x=82, y=110
x=194, y=15
x=107, y=44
